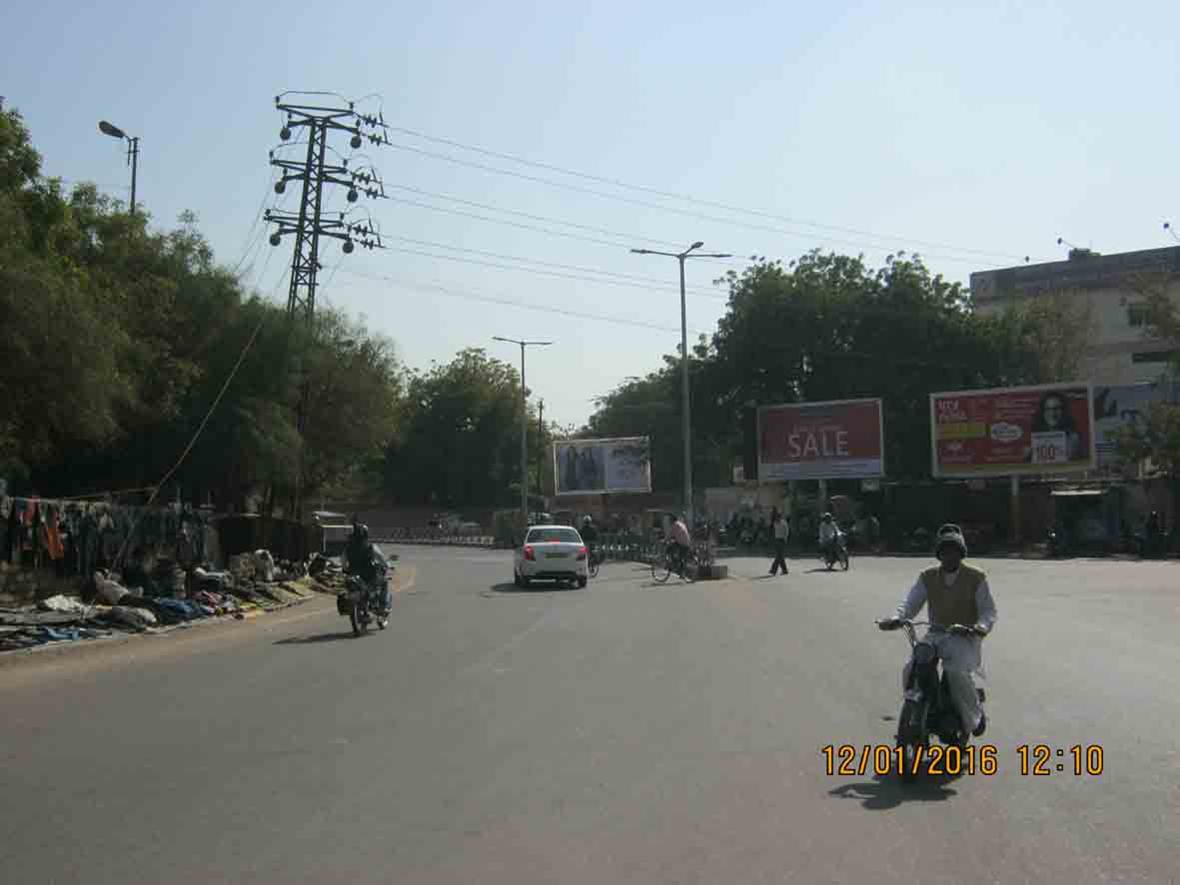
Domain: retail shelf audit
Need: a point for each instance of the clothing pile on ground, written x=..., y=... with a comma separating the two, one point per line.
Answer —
x=108, y=606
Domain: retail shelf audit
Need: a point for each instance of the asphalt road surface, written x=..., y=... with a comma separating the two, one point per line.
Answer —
x=623, y=733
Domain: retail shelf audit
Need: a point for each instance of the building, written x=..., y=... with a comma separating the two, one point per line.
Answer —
x=1120, y=353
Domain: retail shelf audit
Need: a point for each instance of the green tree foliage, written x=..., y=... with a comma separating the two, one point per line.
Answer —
x=119, y=339
x=458, y=440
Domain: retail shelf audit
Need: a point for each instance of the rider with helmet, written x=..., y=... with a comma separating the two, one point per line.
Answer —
x=961, y=612
x=364, y=562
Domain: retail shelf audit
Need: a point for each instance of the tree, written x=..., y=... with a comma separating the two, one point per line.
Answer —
x=459, y=439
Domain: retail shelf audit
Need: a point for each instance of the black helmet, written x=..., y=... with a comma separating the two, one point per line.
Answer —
x=949, y=533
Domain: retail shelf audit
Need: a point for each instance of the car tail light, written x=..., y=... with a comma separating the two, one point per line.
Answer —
x=529, y=555
x=582, y=552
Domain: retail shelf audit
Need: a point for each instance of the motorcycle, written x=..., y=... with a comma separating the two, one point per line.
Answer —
x=928, y=709
x=364, y=603
x=1057, y=544
x=833, y=553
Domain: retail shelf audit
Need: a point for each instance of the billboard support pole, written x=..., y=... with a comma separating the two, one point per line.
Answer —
x=823, y=496
x=1014, y=511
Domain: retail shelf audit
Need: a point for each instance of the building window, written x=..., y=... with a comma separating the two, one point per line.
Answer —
x=1137, y=314
x=1154, y=356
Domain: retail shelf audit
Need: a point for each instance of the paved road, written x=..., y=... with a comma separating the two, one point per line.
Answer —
x=623, y=733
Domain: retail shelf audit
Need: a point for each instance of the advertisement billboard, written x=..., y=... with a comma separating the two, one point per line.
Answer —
x=830, y=440
x=1122, y=406
x=1012, y=430
x=602, y=466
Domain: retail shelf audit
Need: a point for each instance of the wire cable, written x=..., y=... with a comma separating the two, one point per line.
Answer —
x=547, y=273
x=649, y=282
x=508, y=302
x=630, y=239
x=700, y=202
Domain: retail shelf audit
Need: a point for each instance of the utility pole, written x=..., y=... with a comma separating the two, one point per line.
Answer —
x=685, y=406
x=540, y=446
x=524, y=424
x=309, y=223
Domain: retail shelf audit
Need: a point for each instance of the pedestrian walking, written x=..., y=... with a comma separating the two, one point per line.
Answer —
x=781, y=531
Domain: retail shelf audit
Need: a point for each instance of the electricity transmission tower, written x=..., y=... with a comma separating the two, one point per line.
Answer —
x=310, y=223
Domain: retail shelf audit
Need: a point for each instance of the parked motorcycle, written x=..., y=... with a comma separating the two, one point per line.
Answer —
x=928, y=709
x=1057, y=543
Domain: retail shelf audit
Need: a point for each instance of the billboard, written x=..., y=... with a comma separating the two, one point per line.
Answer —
x=1012, y=430
x=1121, y=406
x=602, y=466
x=830, y=440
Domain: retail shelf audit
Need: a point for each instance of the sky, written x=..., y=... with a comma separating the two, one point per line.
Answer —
x=534, y=144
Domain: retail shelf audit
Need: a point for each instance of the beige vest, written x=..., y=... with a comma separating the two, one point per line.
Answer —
x=954, y=604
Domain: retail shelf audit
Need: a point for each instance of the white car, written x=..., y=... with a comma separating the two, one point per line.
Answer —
x=551, y=552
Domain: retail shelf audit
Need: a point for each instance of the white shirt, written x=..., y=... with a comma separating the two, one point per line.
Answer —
x=827, y=532
x=961, y=653
x=781, y=530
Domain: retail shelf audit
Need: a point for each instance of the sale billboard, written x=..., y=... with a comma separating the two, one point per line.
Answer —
x=828, y=440
x=602, y=466
x=1012, y=430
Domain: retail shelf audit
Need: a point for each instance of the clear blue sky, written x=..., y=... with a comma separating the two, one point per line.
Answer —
x=996, y=128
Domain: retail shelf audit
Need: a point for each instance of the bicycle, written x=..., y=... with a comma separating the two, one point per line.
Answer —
x=596, y=558
x=663, y=567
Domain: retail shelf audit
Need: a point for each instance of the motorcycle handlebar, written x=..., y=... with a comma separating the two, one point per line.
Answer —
x=897, y=623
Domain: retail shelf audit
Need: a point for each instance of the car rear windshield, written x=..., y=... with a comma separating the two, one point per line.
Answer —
x=563, y=536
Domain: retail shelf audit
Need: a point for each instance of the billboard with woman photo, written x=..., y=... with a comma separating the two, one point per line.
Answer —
x=1013, y=430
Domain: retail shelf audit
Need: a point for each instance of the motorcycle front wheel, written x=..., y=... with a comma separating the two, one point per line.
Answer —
x=912, y=738
x=359, y=619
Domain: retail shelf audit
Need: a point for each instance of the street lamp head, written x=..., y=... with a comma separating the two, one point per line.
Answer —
x=642, y=251
x=113, y=131
x=696, y=245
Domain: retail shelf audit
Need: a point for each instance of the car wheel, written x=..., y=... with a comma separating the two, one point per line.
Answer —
x=581, y=582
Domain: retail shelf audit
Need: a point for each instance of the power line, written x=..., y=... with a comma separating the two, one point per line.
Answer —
x=682, y=197
x=649, y=282
x=548, y=273
x=627, y=240
x=508, y=302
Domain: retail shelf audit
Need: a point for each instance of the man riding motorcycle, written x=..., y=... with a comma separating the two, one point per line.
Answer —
x=830, y=536
x=364, y=562
x=958, y=595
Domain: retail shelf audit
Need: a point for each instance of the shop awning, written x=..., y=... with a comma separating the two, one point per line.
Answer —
x=1077, y=493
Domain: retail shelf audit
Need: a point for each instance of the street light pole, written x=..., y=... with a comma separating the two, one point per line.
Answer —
x=524, y=424
x=685, y=404
x=132, y=152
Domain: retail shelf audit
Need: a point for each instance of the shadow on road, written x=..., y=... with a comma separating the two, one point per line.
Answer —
x=884, y=793
x=547, y=587
x=319, y=637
